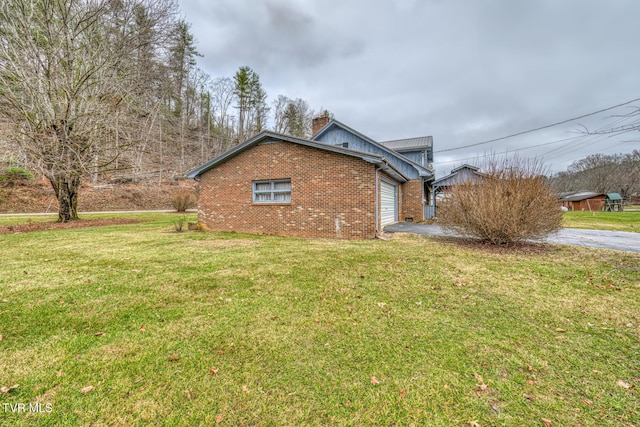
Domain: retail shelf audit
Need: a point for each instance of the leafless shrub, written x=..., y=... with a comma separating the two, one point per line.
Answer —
x=511, y=203
x=183, y=200
x=178, y=224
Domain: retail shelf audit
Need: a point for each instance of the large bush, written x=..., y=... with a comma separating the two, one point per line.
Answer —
x=183, y=200
x=511, y=203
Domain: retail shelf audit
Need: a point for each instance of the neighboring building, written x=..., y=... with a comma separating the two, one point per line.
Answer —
x=464, y=173
x=338, y=184
x=583, y=201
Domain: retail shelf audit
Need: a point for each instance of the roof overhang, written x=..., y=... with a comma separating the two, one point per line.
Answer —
x=268, y=136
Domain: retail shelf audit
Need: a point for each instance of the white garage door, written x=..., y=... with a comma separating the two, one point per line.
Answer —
x=388, y=203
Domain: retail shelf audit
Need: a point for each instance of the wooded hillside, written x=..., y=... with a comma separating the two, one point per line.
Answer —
x=109, y=91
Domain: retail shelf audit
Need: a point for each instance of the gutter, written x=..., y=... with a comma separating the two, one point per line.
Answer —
x=376, y=185
x=387, y=167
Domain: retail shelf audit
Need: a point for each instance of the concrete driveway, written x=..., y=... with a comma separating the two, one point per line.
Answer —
x=614, y=240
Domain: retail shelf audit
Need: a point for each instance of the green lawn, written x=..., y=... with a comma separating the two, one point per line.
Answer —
x=617, y=221
x=186, y=329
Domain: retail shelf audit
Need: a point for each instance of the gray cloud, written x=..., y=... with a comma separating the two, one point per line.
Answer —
x=463, y=71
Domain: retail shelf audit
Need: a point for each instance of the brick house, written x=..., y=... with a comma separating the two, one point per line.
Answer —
x=338, y=184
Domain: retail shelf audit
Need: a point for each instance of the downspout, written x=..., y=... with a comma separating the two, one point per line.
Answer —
x=433, y=197
x=422, y=198
x=376, y=185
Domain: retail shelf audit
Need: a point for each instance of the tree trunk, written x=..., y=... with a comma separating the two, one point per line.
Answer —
x=66, y=188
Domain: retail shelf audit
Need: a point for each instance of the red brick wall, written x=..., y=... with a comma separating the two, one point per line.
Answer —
x=332, y=195
x=411, y=200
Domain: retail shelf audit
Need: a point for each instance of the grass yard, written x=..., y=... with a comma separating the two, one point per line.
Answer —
x=616, y=221
x=138, y=325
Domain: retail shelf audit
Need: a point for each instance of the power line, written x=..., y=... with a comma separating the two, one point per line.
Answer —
x=539, y=128
x=515, y=149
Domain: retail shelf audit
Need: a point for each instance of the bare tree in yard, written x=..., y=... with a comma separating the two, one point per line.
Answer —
x=511, y=204
x=67, y=68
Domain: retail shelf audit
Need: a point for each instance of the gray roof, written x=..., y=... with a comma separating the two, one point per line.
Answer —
x=422, y=171
x=444, y=180
x=376, y=159
x=409, y=144
x=583, y=195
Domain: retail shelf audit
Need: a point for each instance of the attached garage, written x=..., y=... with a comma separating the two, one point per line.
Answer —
x=388, y=202
x=283, y=185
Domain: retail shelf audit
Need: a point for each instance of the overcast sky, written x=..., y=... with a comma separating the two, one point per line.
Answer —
x=463, y=71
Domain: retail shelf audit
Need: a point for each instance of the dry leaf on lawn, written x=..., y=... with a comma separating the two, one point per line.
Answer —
x=213, y=371
x=218, y=419
x=547, y=422
x=5, y=389
x=623, y=384
x=87, y=389
x=174, y=358
x=98, y=334
x=374, y=381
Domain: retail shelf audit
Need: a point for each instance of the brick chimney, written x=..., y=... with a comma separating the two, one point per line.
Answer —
x=318, y=123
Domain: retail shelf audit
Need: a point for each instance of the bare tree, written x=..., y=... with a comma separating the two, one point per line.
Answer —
x=620, y=124
x=66, y=70
x=279, y=109
x=222, y=93
x=292, y=116
x=629, y=175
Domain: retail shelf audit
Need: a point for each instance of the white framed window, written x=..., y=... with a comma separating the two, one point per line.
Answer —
x=272, y=191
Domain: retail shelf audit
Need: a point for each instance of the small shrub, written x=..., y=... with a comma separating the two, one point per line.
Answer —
x=179, y=224
x=183, y=200
x=14, y=175
x=510, y=204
